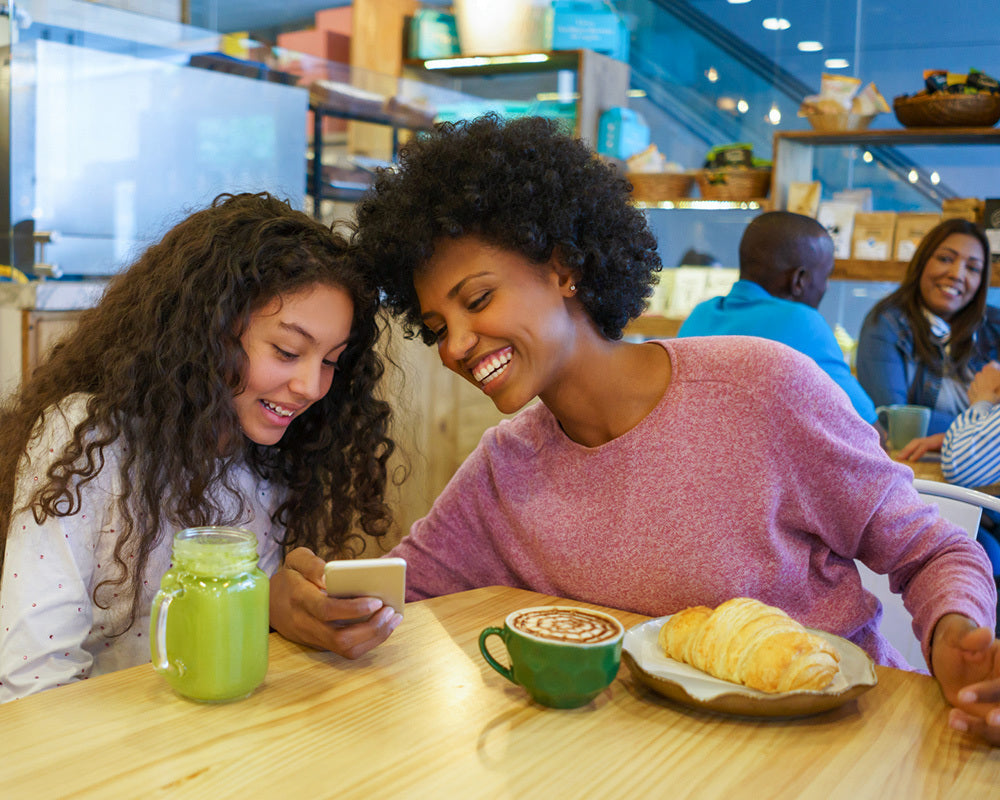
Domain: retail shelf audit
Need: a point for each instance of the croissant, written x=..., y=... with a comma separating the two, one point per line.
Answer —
x=746, y=641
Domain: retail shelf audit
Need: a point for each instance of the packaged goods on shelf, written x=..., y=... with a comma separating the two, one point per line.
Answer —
x=861, y=199
x=951, y=99
x=803, y=197
x=692, y=285
x=621, y=133
x=589, y=25
x=842, y=105
x=910, y=229
x=874, y=232
x=991, y=221
x=838, y=219
x=970, y=208
x=432, y=34
x=737, y=154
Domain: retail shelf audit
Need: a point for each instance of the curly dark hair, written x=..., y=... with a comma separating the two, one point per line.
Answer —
x=520, y=185
x=908, y=298
x=160, y=358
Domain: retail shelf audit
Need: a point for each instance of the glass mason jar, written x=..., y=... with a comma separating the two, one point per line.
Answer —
x=209, y=621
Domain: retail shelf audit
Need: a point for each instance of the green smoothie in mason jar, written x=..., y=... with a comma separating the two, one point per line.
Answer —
x=209, y=623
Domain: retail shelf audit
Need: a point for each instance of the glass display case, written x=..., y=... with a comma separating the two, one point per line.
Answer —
x=117, y=125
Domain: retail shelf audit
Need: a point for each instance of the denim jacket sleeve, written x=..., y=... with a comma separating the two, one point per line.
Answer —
x=885, y=362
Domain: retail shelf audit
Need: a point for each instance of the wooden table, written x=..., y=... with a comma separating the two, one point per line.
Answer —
x=929, y=469
x=423, y=717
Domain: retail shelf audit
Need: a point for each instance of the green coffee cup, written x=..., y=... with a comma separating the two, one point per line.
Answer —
x=903, y=423
x=562, y=655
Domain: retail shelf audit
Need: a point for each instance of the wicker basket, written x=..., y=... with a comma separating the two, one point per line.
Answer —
x=947, y=110
x=652, y=187
x=843, y=121
x=734, y=184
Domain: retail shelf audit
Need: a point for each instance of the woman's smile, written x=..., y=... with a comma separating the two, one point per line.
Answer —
x=500, y=319
x=493, y=366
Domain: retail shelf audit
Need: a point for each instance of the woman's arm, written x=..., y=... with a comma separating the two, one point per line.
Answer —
x=880, y=363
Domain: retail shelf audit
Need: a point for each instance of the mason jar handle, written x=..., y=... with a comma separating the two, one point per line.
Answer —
x=158, y=623
x=507, y=672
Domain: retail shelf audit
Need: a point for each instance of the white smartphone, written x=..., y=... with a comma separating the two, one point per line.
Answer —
x=384, y=578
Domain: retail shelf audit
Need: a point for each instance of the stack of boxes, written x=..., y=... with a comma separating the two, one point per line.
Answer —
x=329, y=40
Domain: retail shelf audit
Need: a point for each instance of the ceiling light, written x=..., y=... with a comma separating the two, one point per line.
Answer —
x=776, y=24
x=726, y=104
x=743, y=106
x=712, y=74
x=913, y=176
x=774, y=115
x=737, y=2
x=836, y=63
x=868, y=157
x=935, y=178
x=810, y=47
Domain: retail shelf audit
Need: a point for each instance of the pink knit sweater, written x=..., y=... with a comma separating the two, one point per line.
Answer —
x=753, y=477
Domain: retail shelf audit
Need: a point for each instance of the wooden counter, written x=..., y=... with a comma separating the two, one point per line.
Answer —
x=423, y=716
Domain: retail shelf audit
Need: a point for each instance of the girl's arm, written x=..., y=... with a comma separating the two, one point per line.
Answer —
x=46, y=610
x=302, y=612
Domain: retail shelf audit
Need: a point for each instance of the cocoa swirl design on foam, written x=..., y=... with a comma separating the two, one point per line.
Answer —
x=563, y=625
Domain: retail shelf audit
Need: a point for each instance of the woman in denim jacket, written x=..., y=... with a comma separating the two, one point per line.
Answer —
x=924, y=342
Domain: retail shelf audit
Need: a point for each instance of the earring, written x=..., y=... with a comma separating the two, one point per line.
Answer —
x=572, y=288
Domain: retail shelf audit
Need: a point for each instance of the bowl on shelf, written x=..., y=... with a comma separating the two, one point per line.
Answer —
x=942, y=110
x=654, y=187
x=841, y=121
x=733, y=184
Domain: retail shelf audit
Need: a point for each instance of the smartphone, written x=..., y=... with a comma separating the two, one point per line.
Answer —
x=384, y=578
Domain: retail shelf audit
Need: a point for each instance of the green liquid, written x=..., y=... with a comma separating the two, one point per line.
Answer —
x=217, y=630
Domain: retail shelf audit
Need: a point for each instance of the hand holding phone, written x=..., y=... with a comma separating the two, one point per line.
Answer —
x=384, y=578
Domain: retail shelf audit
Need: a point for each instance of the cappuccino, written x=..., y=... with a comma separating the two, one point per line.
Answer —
x=569, y=625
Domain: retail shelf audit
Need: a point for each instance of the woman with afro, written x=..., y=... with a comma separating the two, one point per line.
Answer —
x=651, y=476
x=226, y=378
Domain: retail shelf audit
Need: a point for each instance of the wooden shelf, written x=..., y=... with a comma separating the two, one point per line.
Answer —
x=895, y=136
x=794, y=150
x=653, y=326
x=856, y=269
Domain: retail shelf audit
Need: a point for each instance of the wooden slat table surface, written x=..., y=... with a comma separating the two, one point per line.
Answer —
x=422, y=716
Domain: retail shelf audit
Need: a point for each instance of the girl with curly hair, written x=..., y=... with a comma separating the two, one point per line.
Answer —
x=652, y=476
x=226, y=378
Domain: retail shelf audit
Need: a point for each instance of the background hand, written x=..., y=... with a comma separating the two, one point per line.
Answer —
x=966, y=662
x=302, y=612
x=986, y=384
x=917, y=448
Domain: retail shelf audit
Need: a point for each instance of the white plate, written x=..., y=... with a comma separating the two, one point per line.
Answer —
x=692, y=687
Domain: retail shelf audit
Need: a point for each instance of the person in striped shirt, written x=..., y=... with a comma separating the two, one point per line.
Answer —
x=970, y=449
